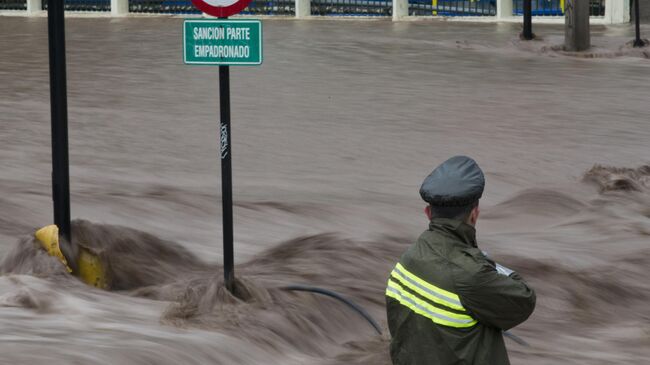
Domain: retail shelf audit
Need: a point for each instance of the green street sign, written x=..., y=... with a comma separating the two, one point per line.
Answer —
x=222, y=42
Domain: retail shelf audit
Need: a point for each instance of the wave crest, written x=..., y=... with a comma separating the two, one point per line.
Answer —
x=609, y=178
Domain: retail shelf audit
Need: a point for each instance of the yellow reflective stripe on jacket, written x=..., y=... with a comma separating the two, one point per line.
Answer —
x=425, y=289
x=449, y=314
x=419, y=306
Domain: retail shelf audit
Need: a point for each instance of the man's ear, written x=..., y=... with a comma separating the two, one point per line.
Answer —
x=427, y=211
x=473, y=216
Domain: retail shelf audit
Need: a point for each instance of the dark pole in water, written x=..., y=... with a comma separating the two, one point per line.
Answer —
x=577, y=37
x=226, y=177
x=528, y=20
x=59, y=113
x=637, y=40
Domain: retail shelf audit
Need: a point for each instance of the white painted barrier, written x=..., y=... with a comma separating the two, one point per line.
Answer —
x=303, y=9
x=400, y=9
x=119, y=7
x=504, y=9
x=617, y=11
x=34, y=6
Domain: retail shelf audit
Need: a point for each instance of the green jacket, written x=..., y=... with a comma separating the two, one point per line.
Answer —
x=447, y=304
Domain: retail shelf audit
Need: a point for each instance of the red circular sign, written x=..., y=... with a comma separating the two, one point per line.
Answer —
x=221, y=8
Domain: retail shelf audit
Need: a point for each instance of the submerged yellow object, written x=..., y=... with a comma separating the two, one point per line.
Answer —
x=91, y=270
x=48, y=237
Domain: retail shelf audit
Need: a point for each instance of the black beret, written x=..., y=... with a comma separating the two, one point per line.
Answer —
x=456, y=182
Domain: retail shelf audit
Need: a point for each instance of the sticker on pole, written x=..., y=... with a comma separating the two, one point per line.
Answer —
x=222, y=42
x=221, y=8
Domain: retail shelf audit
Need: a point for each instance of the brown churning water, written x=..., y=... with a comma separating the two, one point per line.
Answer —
x=332, y=137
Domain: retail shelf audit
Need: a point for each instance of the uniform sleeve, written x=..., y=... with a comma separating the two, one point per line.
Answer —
x=494, y=299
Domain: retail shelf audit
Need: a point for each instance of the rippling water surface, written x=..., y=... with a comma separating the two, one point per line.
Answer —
x=332, y=137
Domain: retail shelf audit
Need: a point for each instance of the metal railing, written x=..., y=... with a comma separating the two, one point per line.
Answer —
x=271, y=7
x=352, y=7
x=13, y=4
x=328, y=7
x=556, y=7
x=84, y=5
x=162, y=7
x=540, y=7
x=597, y=7
x=453, y=7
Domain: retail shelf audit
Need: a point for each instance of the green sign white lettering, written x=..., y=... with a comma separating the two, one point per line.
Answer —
x=222, y=42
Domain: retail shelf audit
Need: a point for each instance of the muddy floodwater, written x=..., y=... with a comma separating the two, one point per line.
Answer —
x=331, y=139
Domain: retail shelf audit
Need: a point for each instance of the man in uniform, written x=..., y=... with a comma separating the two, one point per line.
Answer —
x=447, y=302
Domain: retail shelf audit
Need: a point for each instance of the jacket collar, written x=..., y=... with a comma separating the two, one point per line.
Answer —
x=461, y=230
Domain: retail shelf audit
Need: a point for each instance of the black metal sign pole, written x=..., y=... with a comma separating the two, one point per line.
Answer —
x=226, y=177
x=637, y=40
x=528, y=20
x=59, y=111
